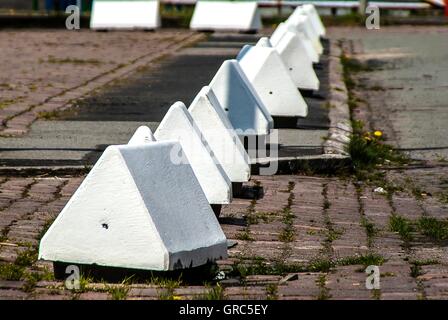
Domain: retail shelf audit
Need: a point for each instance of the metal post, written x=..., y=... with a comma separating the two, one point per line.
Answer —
x=362, y=7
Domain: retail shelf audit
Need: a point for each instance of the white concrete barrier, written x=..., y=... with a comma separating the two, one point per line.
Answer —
x=297, y=62
x=268, y=74
x=217, y=130
x=126, y=14
x=179, y=125
x=226, y=15
x=303, y=24
x=138, y=210
x=141, y=136
x=310, y=9
x=241, y=103
x=283, y=28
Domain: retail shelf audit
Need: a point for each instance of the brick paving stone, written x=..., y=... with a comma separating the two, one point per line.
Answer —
x=6, y=284
x=376, y=209
x=36, y=201
x=269, y=250
x=406, y=206
x=94, y=296
x=348, y=282
x=262, y=279
x=144, y=292
x=433, y=272
x=433, y=208
x=43, y=295
x=7, y=254
x=246, y=293
x=436, y=289
x=44, y=70
x=267, y=231
x=428, y=251
x=305, y=287
x=12, y=295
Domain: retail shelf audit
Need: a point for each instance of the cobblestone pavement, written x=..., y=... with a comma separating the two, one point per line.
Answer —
x=43, y=71
x=306, y=238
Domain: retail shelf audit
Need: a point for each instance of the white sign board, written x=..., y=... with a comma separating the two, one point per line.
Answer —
x=226, y=15
x=127, y=14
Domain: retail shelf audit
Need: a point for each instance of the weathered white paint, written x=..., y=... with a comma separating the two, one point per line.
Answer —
x=268, y=74
x=315, y=18
x=142, y=135
x=126, y=14
x=226, y=15
x=303, y=40
x=303, y=24
x=241, y=103
x=296, y=60
x=136, y=209
x=220, y=135
x=179, y=125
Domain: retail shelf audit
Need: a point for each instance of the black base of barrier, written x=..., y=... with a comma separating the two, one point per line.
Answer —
x=216, y=209
x=246, y=192
x=285, y=122
x=192, y=276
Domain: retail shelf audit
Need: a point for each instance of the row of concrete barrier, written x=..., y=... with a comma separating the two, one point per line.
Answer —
x=148, y=204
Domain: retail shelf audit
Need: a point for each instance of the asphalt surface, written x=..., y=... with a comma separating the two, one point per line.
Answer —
x=110, y=116
x=407, y=87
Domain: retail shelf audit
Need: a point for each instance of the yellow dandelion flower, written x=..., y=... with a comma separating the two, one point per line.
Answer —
x=378, y=134
x=177, y=298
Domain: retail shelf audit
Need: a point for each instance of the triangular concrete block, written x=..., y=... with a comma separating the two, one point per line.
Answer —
x=268, y=74
x=137, y=210
x=141, y=136
x=126, y=14
x=226, y=15
x=296, y=60
x=303, y=24
x=264, y=42
x=242, y=105
x=280, y=32
x=315, y=18
x=179, y=125
x=220, y=135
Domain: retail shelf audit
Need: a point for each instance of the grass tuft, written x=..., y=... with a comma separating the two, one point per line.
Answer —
x=11, y=272
x=272, y=291
x=402, y=226
x=369, y=259
x=433, y=228
x=212, y=293
x=166, y=287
